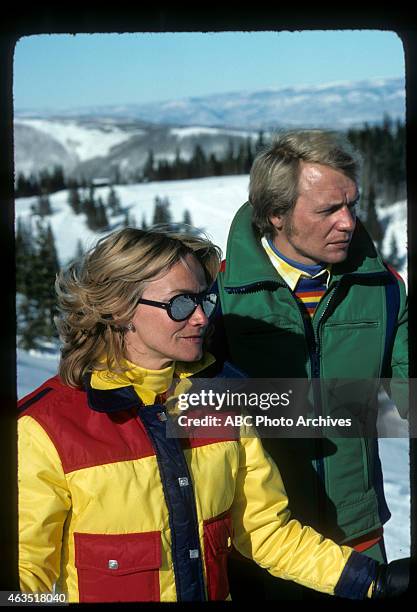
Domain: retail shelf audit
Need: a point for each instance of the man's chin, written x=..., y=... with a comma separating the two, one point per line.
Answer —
x=338, y=255
x=336, y=259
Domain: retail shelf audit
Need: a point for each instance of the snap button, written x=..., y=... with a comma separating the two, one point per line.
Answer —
x=183, y=482
x=113, y=564
x=194, y=553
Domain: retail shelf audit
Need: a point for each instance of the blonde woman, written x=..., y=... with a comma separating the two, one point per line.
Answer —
x=110, y=507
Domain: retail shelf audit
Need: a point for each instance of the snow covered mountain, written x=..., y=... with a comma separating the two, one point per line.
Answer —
x=338, y=104
x=95, y=141
x=97, y=147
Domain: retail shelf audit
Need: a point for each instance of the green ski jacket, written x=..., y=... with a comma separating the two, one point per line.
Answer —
x=357, y=332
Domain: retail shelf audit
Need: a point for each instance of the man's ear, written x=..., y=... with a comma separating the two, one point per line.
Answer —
x=277, y=221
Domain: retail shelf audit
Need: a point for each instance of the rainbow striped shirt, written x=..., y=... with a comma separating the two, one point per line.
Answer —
x=308, y=283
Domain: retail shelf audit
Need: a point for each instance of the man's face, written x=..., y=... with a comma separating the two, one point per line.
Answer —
x=320, y=227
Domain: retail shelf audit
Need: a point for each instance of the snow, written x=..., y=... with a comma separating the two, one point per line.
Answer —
x=212, y=203
x=186, y=132
x=85, y=142
x=394, y=218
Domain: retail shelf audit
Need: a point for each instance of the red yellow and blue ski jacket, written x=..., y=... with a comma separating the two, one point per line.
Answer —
x=111, y=509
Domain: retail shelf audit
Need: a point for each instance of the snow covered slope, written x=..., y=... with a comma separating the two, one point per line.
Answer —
x=211, y=201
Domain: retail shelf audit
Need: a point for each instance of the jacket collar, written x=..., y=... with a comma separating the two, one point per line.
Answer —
x=248, y=264
x=124, y=397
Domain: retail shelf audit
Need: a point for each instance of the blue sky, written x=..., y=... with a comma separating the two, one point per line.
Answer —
x=65, y=71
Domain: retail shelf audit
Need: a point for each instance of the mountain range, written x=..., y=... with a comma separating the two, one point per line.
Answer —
x=104, y=140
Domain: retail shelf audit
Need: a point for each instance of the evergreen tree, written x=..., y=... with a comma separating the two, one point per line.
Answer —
x=129, y=220
x=214, y=166
x=198, y=163
x=79, y=251
x=43, y=207
x=229, y=162
x=30, y=327
x=260, y=143
x=74, y=199
x=187, y=217
x=24, y=250
x=162, y=214
x=144, y=225
x=113, y=201
x=101, y=220
x=394, y=257
x=37, y=306
x=48, y=267
x=372, y=223
x=148, y=168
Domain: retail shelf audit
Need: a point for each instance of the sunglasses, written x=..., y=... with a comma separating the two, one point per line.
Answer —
x=181, y=307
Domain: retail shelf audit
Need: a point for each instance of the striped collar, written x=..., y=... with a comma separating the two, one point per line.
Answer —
x=289, y=273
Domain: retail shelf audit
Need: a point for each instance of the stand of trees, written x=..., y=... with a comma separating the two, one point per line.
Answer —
x=36, y=267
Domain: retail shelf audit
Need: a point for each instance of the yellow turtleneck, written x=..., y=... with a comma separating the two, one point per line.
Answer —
x=147, y=383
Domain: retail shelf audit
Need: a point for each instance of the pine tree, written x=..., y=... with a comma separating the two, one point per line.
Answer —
x=43, y=205
x=394, y=256
x=101, y=219
x=129, y=220
x=260, y=143
x=162, y=214
x=198, y=163
x=187, y=217
x=372, y=223
x=144, y=225
x=48, y=267
x=148, y=168
x=74, y=199
x=24, y=257
x=113, y=201
x=36, y=308
x=79, y=251
x=29, y=324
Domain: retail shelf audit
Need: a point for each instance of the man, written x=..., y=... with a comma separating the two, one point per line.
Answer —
x=305, y=294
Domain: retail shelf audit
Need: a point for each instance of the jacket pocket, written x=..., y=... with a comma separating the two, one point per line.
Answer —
x=217, y=545
x=121, y=567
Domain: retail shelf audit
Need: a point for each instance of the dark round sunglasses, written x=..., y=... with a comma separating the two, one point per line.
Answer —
x=181, y=307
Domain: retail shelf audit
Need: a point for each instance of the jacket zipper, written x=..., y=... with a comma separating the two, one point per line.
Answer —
x=316, y=382
x=253, y=287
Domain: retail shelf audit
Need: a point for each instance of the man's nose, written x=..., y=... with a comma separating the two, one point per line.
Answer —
x=346, y=219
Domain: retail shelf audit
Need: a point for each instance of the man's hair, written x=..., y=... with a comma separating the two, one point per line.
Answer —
x=273, y=186
x=97, y=295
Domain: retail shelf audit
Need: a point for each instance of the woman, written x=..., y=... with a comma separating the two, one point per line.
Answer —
x=111, y=508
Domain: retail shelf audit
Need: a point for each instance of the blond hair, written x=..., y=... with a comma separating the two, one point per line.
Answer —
x=97, y=295
x=273, y=185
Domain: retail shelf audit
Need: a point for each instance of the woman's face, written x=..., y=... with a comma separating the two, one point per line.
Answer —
x=157, y=339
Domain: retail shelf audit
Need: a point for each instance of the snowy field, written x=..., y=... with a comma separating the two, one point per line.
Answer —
x=212, y=203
